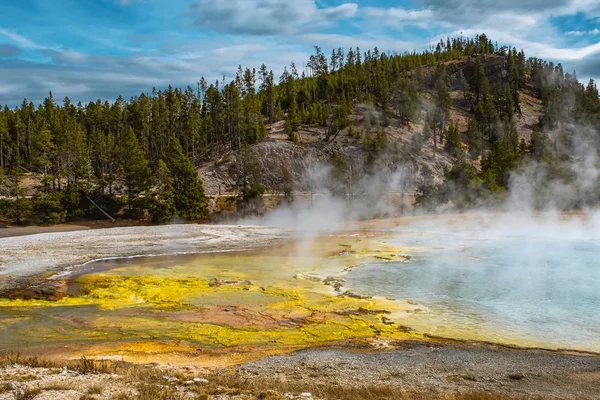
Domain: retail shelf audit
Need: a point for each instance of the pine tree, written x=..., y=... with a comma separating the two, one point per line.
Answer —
x=188, y=198
x=292, y=123
x=427, y=127
x=474, y=137
x=13, y=189
x=42, y=151
x=136, y=173
x=2, y=182
x=48, y=208
x=5, y=141
x=442, y=106
x=513, y=76
x=247, y=176
x=453, y=141
x=163, y=203
x=339, y=121
x=479, y=83
x=406, y=100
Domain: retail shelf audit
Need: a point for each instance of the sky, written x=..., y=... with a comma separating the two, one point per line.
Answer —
x=100, y=49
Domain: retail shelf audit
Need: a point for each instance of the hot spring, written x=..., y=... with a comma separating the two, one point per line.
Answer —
x=527, y=282
x=535, y=284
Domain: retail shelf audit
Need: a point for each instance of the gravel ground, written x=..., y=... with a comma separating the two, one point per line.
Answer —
x=19, y=381
x=434, y=370
x=423, y=366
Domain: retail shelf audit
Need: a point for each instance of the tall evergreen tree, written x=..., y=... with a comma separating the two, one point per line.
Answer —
x=136, y=173
x=473, y=137
x=442, y=106
x=188, y=192
x=292, y=123
x=453, y=141
x=163, y=202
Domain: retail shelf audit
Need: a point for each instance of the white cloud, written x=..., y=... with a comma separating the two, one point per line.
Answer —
x=473, y=10
x=265, y=17
x=592, y=32
x=569, y=54
x=67, y=56
x=398, y=17
x=9, y=89
x=343, y=11
x=22, y=41
x=331, y=40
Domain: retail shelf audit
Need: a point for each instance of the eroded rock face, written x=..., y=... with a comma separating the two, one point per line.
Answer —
x=278, y=158
x=274, y=157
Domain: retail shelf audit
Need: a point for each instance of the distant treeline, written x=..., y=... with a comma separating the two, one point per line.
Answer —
x=142, y=153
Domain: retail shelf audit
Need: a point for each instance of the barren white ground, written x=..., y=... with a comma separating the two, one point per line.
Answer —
x=30, y=255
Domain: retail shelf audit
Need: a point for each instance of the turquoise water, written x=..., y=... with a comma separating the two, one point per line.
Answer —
x=509, y=289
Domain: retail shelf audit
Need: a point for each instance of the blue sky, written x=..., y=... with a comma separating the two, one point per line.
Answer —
x=90, y=49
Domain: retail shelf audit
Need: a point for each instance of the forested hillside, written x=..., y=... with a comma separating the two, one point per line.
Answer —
x=456, y=113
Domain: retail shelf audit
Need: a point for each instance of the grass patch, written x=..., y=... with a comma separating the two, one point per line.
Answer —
x=157, y=392
x=83, y=365
x=95, y=389
x=28, y=394
x=57, y=387
x=23, y=378
x=8, y=358
x=88, y=366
